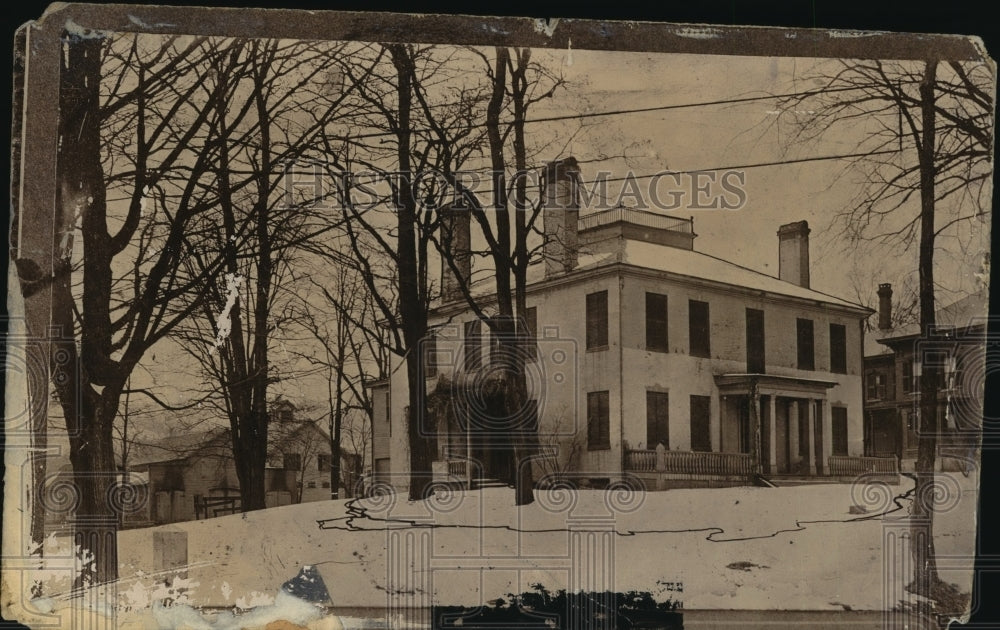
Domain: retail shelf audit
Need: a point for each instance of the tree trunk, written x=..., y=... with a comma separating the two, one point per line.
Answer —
x=96, y=522
x=412, y=304
x=335, y=449
x=925, y=577
x=250, y=454
x=89, y=414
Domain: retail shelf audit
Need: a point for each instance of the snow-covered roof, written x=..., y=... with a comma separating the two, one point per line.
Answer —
x=968, y=311
x=677, y=262
x=210, y=442
x=699, y=266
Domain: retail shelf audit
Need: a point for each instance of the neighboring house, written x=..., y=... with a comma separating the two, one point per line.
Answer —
x=893, y=358
x=193, y=475
x=642, y=341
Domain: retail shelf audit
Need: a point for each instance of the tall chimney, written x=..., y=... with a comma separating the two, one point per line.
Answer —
x=884, y=306
x=456, y=243
x=560, y=214
x=793, y=253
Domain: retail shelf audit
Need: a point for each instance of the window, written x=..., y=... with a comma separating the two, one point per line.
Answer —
x=531, y=330
x=171, y=479
x=325, y=484
x=656, y=322
x=279, y=482
x=429, y=344
x=804, y=338
x=755, y=341
x=838, y=349
x=311, y=484
x=473, y=345
x=699, y=327
x=701, y=432
x=876, y=386
x=657, y=414
x=597, y=320
x=839, y=430
x=598, y=422
x=908, y=382
x=293, y=461
x=324, y=462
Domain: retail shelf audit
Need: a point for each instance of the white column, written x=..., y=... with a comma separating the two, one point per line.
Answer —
x=811, y=435
x=827, y=436
x=793, y=433
x=772, y=428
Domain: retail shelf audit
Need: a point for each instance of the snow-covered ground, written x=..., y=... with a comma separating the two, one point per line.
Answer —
x=735, y=548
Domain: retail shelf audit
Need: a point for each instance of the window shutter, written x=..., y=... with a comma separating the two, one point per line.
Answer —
x=597, y=320
x=598, y=421
x=656, y=322
x=839, y=427
x=699, y=329
x=804, y=338
x=838, y=349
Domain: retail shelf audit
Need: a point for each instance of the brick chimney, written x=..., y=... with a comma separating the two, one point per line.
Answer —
x=560, y=215
x=793, y=253
x=884, y=306
x=456, y=240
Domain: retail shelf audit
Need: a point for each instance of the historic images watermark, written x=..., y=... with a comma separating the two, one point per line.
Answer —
x=318, y=185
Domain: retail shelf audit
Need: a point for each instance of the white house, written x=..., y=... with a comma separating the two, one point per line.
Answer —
x=643, y=341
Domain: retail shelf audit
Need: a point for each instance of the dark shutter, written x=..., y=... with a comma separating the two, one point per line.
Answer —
x=598, y=422
x=656, y=322
x=839, y=427
x=755, y=341
x=388, y=412
x=806, y=350
x=699, y=329
x=701, y=432
x=597, y=320
x=838, y=349
x=657, y=419
x=293, y=461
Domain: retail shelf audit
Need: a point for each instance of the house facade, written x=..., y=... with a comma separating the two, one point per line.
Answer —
x=650, y=359
x=193, y=475
x=893, y=363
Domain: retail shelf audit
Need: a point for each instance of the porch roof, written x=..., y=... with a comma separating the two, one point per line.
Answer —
x=792, y=386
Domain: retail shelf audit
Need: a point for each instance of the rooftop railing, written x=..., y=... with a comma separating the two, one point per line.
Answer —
x=636, y=217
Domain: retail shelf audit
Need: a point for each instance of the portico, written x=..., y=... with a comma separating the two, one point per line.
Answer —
x=784, y=423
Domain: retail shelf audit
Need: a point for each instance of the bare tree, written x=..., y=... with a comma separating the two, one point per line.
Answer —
x=278, y=110
x=130, y=107
x=506, y=220
x=926, y=129
x=559, y=452
x=390, y=236
x=342, y=321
